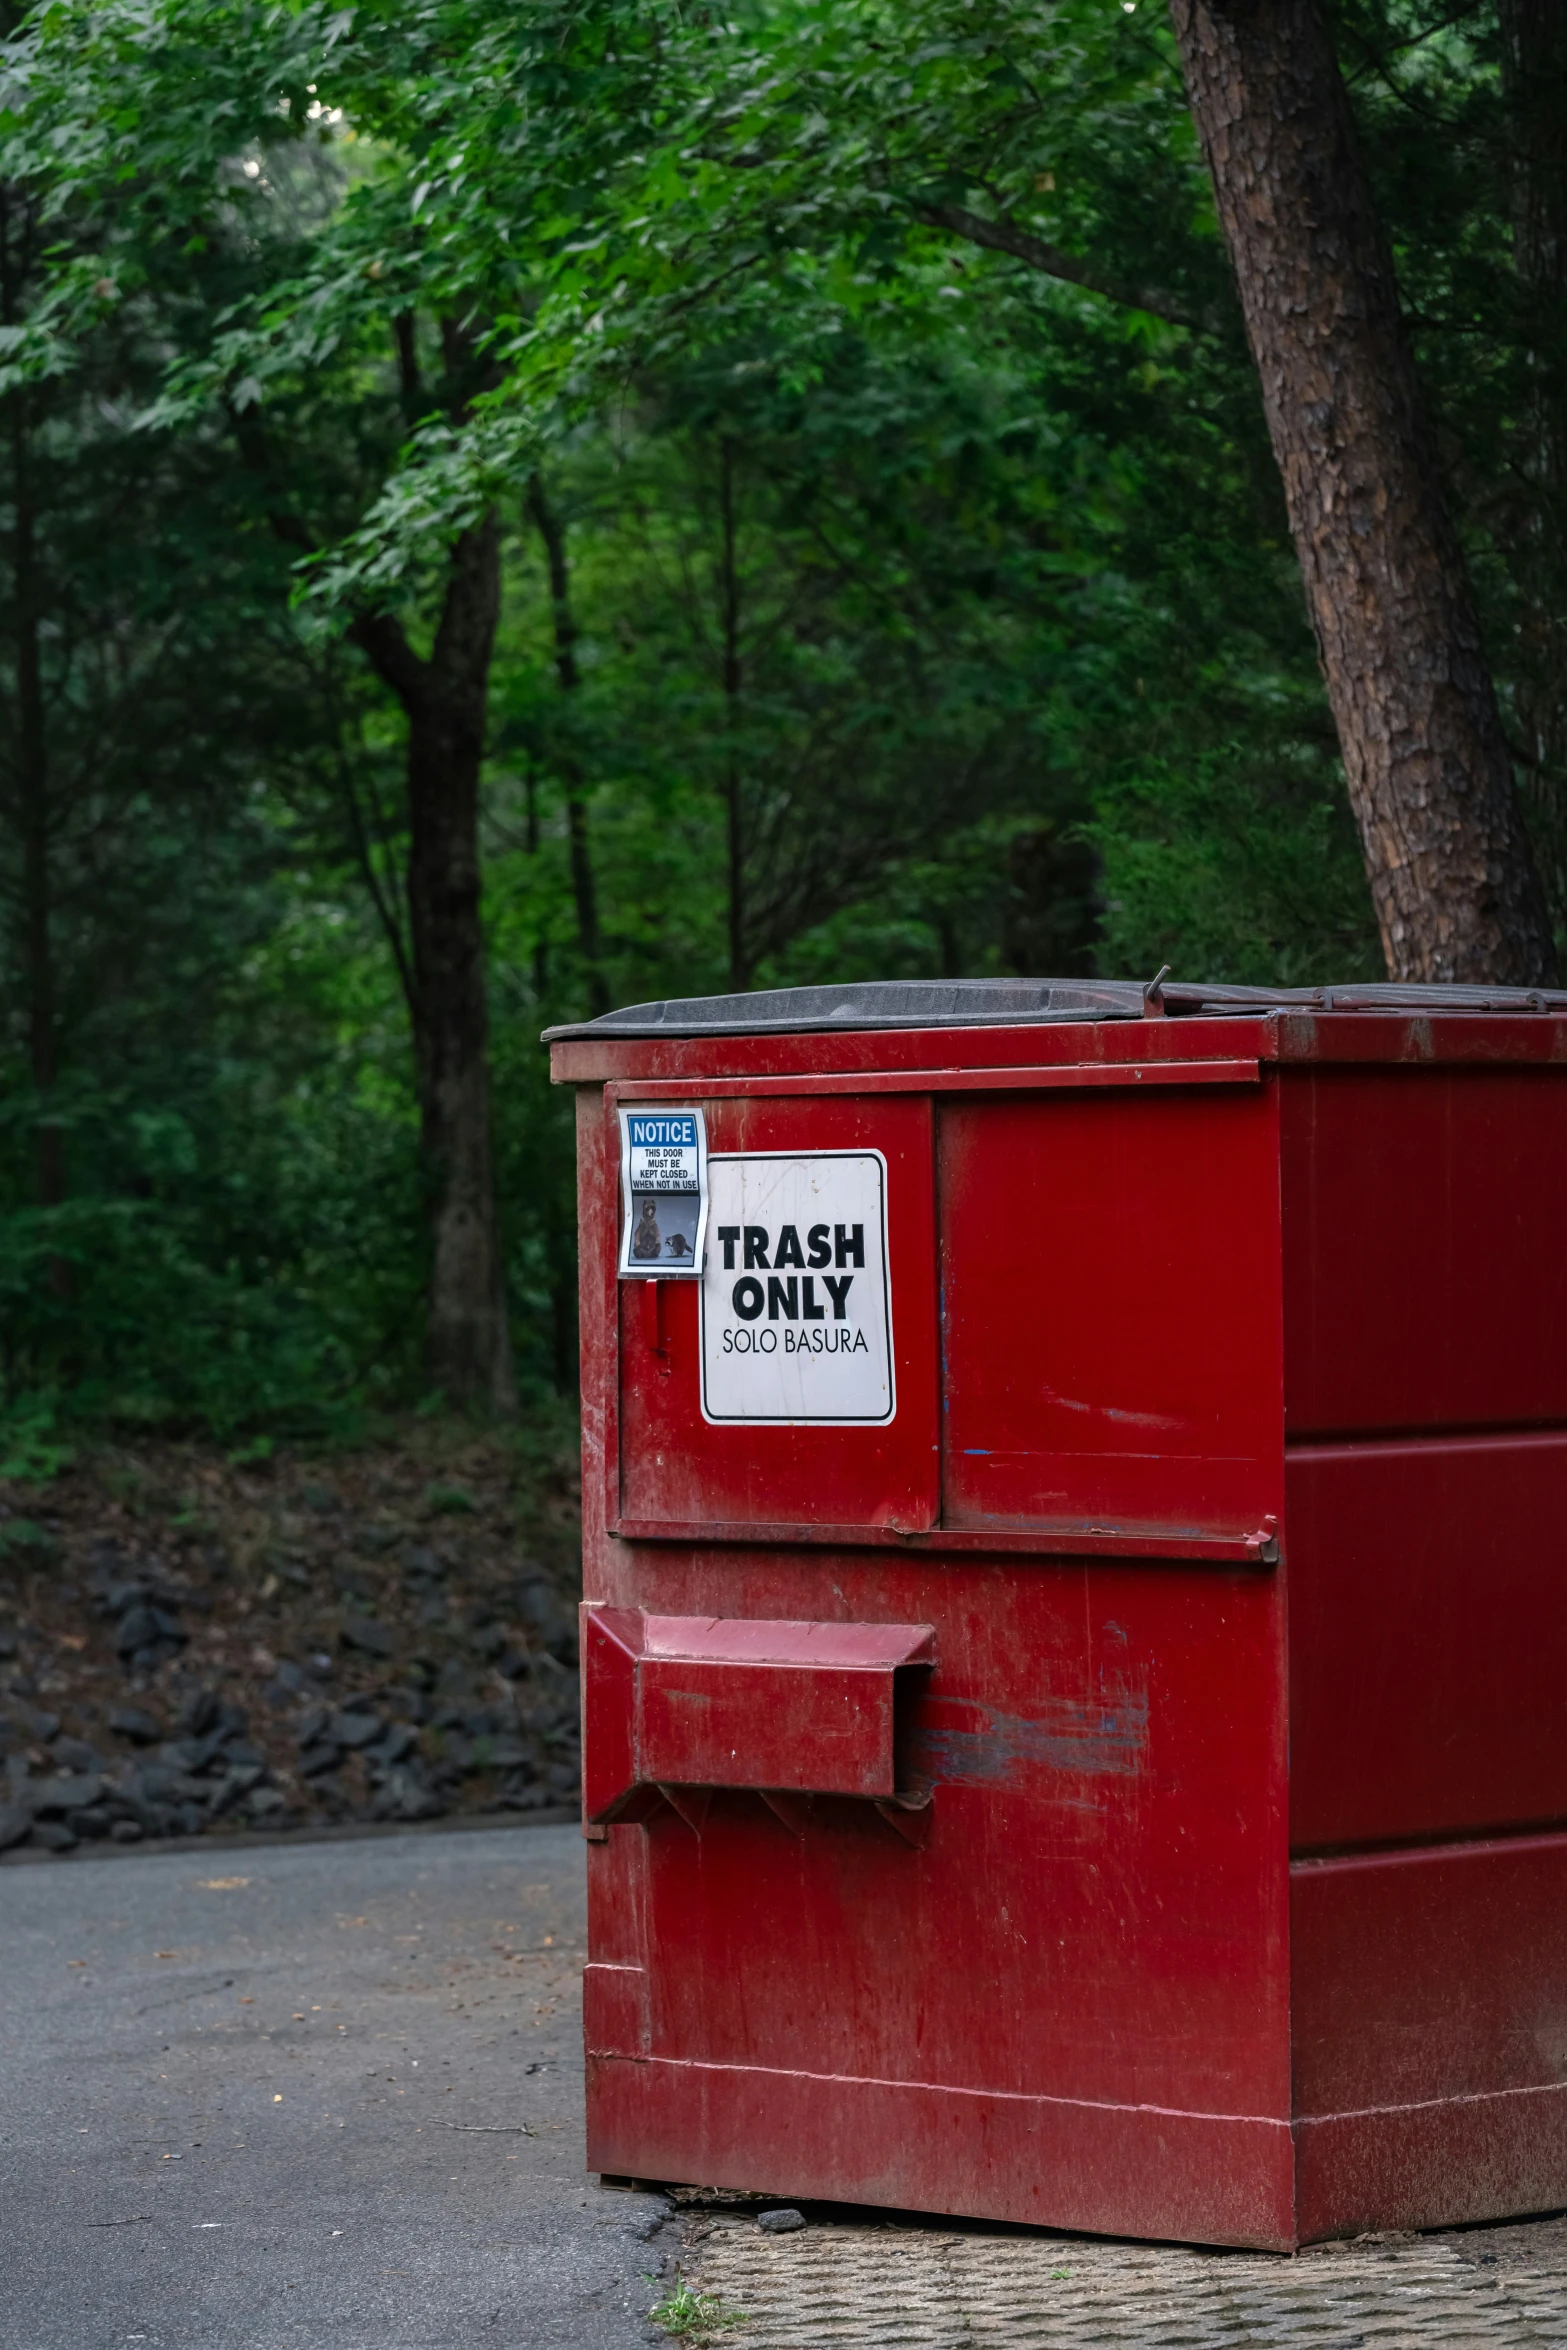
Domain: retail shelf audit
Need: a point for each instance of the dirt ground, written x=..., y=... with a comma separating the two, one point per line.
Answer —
x=190, y=1641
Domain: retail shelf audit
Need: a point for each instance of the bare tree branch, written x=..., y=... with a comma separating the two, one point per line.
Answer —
x=1006, y=236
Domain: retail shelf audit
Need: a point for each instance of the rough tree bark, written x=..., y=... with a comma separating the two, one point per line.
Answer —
x=1453, y=879
x=468, y=1343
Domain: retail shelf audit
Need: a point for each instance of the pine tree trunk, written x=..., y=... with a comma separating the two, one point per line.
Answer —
x=1453, y=879
x=468, y=1341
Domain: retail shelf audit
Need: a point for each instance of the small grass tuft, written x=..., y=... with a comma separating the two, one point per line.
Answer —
x=449, y=1501
x=24, y=1539
x=30, y=1451
x=694, y=2317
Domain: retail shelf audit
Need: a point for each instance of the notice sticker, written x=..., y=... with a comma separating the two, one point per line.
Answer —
x=796, y=1302
x=663, y=1192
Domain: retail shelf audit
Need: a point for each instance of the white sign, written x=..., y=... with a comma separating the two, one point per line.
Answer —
x=663, y=1194
x=796, y=1301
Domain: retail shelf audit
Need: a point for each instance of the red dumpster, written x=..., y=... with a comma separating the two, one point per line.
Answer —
x=1075, y=1655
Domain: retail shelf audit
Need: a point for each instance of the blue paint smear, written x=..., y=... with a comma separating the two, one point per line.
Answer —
x=1103, y=1737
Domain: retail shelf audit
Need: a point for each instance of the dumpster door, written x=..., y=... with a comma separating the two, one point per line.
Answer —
x=794, y=1387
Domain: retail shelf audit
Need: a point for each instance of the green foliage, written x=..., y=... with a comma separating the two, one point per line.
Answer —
x=1247, y=878
x=23, y=1539
x=31, y=1447
x=448, y=1501
x=930, y=605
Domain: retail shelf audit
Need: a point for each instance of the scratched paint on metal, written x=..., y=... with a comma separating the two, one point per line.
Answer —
x=1264, y=1370
x=978, y=1746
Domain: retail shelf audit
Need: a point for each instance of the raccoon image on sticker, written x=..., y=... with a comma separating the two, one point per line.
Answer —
x=796, y=1300
x=663, y=1194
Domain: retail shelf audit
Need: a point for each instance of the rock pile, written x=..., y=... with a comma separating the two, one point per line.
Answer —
x=410, y=1749
x=60, y=1790
x=145, y=1608
x=226, y=1646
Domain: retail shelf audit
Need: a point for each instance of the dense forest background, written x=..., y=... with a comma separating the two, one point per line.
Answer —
x=807, y=456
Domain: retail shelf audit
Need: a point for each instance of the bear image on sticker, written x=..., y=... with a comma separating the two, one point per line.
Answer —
x=646, y=1239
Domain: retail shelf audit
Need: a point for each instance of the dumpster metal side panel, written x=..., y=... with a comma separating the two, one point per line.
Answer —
x=1110, y=1302
x=1428, y=1638
x=598, y=1313
x=1431, y=2033
x=1041, y=2161
x=1442, y=2164
x=1425, y=1289
x=1424, y=1274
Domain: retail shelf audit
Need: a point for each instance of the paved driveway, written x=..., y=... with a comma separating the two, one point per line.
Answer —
x=328, y=2097
x=306, y=2094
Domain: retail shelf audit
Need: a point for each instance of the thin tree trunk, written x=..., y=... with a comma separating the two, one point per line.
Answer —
x=33, y=778
x=445, y=700
x=739, y=960
x=1453, y=879
x=1534, y=48
x=1534, y=53
x=541, y=944
x=468, y=1346
x=584, y=889
x=388, y=900
x=469, y=1338
x=33, y=759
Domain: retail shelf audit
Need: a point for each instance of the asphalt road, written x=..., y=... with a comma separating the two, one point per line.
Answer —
x=323, y=2095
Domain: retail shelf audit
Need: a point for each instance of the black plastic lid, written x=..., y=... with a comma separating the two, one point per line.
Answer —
x=1021, y=1003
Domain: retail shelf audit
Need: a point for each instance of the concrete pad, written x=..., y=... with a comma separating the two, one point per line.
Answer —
x=867, y=2284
